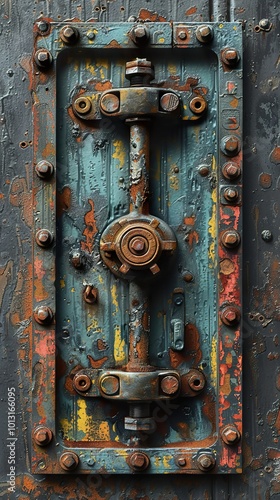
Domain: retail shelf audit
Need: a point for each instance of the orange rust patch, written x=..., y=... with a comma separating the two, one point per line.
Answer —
x=192, y=351
x=189, y=221
x=275, y=155
x=192, y=237
x=103, y=86
x=146, y=14
x=90, y=230
x=234, y=102
x=63, y=200
x=97, y=364
x=191, y=11
x=49, y=150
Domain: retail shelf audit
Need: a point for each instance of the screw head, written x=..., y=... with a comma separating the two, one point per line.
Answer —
x=264, y=24
x=181, y=461
x=266, y=235
x=43, y=315
x=69, y=460
x=230, y=238
x=42, y=435
x=230, y=56
x=44, y=169
x=182, y=35
x=140, y=34
x=138, y=461
x=231, y=170
x=169, y=385
x=43, y=58
x=206, y=461
x=69, y=34
x=230, y=145
x=204, y=34
x=230, y=315
x=91, y=35
x=90, y=294
x=44, y=238
x=81, y=382
x=230, y=434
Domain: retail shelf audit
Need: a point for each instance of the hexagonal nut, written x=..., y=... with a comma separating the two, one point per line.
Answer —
x=138, y=461
x=230, y=434
x=140, y=34
x=140, y=68
x=43, y=58
x=206, y=461
x=69, y=460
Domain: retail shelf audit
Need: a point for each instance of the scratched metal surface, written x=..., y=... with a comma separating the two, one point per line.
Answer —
x=261, y=375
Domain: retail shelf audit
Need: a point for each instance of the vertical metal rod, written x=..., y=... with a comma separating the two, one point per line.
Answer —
x=139, y=329
x=139, y=164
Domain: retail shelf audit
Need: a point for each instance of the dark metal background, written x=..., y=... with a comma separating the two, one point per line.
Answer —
x=261, y=478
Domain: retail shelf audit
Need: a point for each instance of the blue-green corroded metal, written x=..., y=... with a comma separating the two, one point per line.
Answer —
x=92, y=186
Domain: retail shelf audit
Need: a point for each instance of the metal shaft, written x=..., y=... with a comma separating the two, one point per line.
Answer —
x=139, y=164
x=139, y=329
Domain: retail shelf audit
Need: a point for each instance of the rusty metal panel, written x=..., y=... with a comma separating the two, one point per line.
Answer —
x=146, y=374
x=260, y=448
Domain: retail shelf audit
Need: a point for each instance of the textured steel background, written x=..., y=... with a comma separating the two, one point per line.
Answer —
x=261, y=478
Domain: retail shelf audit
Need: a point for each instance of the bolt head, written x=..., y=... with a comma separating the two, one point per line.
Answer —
x=230, y=315
x=69, y=34
x=69, y=460
x=110, y=385
x=44, y=238
x=43, y=315
x=109, y=103
x=230, y=145
x=140, y=68
x=231, y=170
x=230, y=238
x=138, y=461
x=206, y=461
x=182, y=35
x=264, y=24
x=169, y=102
x=203, y=170
x=230, y=56
x=169, y=385
x=181, y=461
x=43, y=26
x=204, y=33
x=230, y=434
x=44, y=169
x=140, y=34
x=43, y=58
x=81, y=382
x=42, y=435
x=231, y=194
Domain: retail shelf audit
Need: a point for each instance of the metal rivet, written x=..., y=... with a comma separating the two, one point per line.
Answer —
x=169, y=385
x=44, y=169
x=264, y=24
x=230, y=238
x=204, y=33
x=82, y=382
x=90, y=462
x=77, y=259
x=230, y=434
x=169, y=102
x=203, y=170
x=205, y=461
x=44, y=238
x=69, y=460
x=43, y=58
x=90, y=35
x=230, y=315
x=140, y=34
x=42, y=435
x=230, y=56
x=43, y=26
x=82, y=105
x=69, y=34
x=90, y=294
x=266, y=235
x=230, y=145
x=138, y=461
x=109, y=103
x=43, y=315
x=188, y=277
x=231, y=170
x=181, y=461
x=110, y=385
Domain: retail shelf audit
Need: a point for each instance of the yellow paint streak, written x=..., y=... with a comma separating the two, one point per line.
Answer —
x=119, y=346
x=213, y=223
x=100, y=279
x=83, y=419
x=62, y=284
x=172, y=69
x=66, y=427
x=174, y=182
x=157, y=461
x=166, y=461
x=119, y=153
x=73, y=290
x=214, y=365
x=93, y=325
x=114, y=296
x=104, y=431
x=161, y=40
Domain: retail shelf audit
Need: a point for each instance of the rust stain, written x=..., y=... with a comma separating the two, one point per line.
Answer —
x=63, y=200
x=265, y=180
x=275, y=155
x=113, y=44
x=98, y=363
x=49, y=150
x=150, y=15
x=234, y=103
x=5, y=275
x=189, y=221
x=192, y=238
x=68, y=385
x=192, y=351
x=21, y=197
x=191, y=11
x=90, y=229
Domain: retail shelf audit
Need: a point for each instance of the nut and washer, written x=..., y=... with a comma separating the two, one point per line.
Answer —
x=198, y=105
x=44, y=238
x=44, y=169
x=230, y=238
x=204, y=34
x=231, y=170
x=43, y=315
x=182, y=35
x=230, y=434
x=230, y=315
x=230, y=145
x=69, y=34
x=230, y=56
x=81, y=382
x=138, y=461
x=82, y=105
x=43, y=58
x=206, y=462
x=231, y=194
x=69, y=460
x=42, y=435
